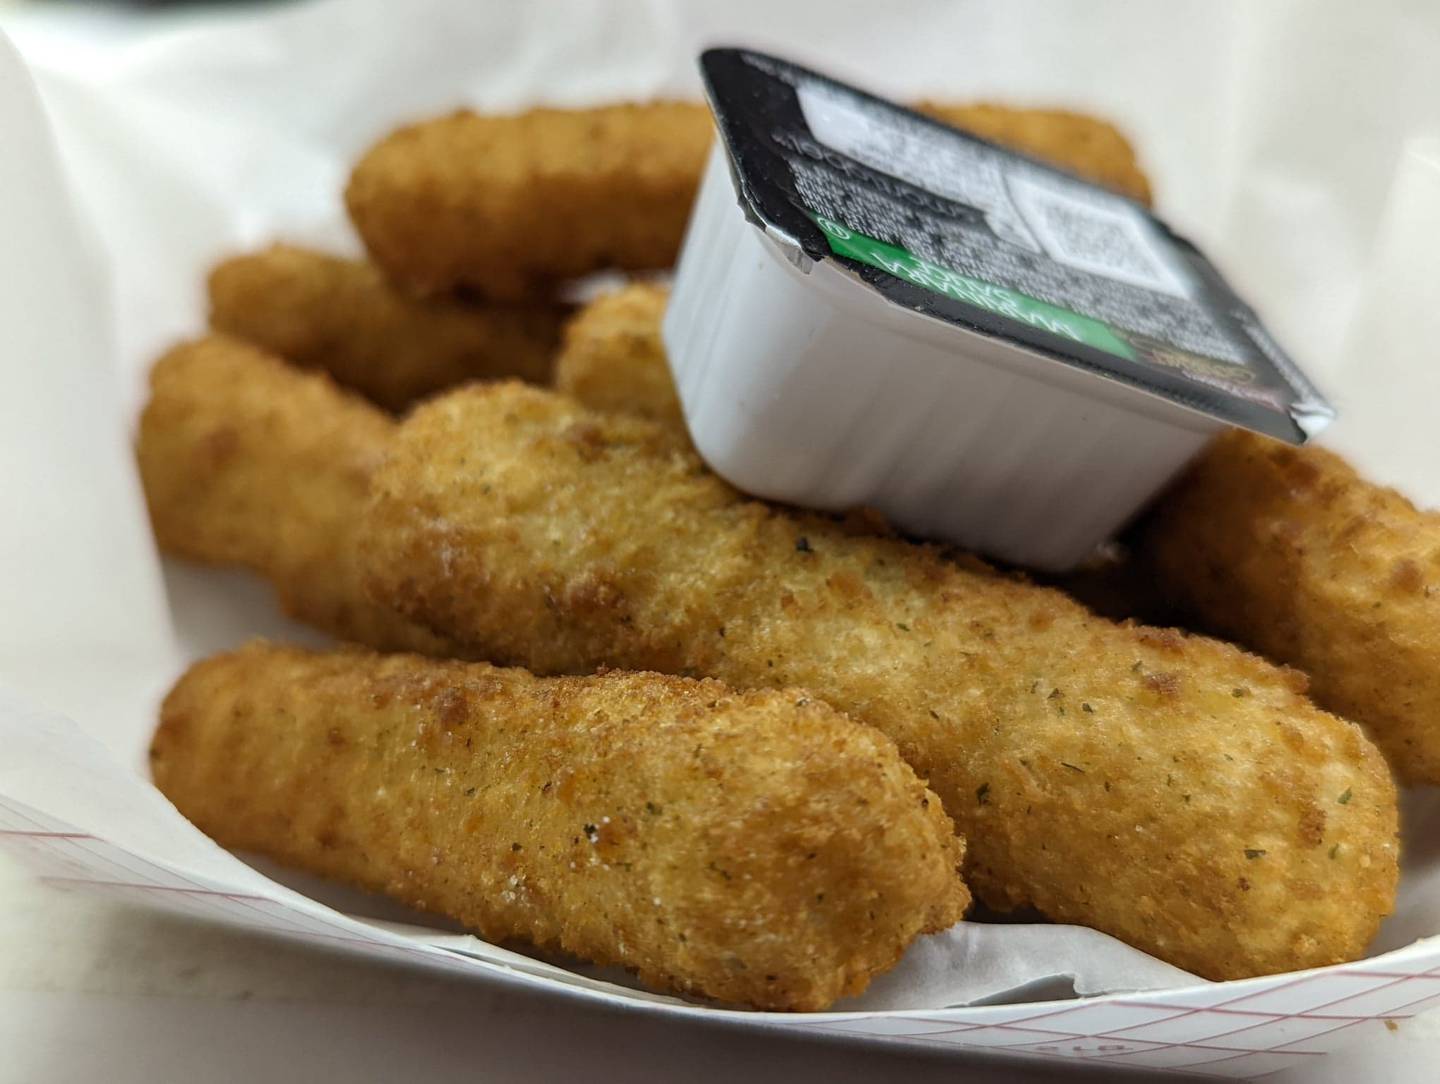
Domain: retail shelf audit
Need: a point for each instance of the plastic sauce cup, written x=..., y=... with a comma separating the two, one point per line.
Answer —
x=875, y=309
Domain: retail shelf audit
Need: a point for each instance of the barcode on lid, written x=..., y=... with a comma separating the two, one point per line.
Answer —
x=1095, y=236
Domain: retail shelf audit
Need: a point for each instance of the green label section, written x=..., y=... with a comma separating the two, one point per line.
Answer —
x=986, y=295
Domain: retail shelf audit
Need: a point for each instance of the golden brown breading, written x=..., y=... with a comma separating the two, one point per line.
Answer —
x=1172, y=791
x=1085, y=145
x=509, y=205
x=757, y=848
x=613, y=357
x=1290, y=551
x=341, y=316
x=246, y=461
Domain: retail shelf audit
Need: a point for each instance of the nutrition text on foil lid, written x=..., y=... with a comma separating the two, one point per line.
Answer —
x=1042, y=234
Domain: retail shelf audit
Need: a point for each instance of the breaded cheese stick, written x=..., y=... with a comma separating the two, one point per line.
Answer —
x=1291, y=552
x=246, y=461
x=342, y=316
x=507, y=206
x=613, y=358
x=1169, y=790
x=757, y=848
x=1085, y=145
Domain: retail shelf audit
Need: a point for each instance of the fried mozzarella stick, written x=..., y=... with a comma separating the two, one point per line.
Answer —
x=508, y=206
x=757, y=848
x=613, y=357
x=1172, y=791
x=1291, y=552
x=342, y=316
x=246, y=461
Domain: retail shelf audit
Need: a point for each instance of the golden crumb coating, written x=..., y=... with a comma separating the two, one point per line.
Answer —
x=757, y=848
x=613, y=357
x=342, y=316
x=1169, y=790
x=1084, y=145
x=246, y=461
x=507, y=206
x=1291, y=552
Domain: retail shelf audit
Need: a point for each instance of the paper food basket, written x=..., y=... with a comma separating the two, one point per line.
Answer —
x=131, y=163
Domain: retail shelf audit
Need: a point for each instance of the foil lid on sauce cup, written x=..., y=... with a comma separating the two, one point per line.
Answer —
x=875, y=309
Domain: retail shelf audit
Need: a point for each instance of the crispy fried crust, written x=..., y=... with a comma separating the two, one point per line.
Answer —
x=613, y=357
x=341, y=316
x=246, y=461
x=1085, y=145
x=1169, y=790
x=509, y=205
x=1291, y=552
x=758, y=848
